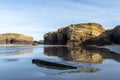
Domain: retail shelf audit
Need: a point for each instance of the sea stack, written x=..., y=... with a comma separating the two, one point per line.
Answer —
x=75, y=34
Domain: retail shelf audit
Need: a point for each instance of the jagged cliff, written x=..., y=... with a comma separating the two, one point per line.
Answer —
x=76, y=34
x=15, y=38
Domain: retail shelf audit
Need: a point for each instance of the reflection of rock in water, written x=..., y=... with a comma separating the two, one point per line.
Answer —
x=87, y=70
x=10, y=60
x=19, y=52
x=82, y=54
x=91, y=70
x=74, y=54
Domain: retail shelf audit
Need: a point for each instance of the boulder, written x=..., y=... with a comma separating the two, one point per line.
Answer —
x=115, y=35
x=15, y=38
x=74, y=34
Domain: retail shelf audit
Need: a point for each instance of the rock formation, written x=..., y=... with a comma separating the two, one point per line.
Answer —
x=77, y=34
x=14, y=38
x=115, y=35
x=52, y=65
x=50, y=38
x=102, y=39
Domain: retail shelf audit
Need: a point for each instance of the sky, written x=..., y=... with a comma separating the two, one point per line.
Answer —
x=37, y=17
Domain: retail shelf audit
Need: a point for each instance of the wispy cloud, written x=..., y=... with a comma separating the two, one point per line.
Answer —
x=36, y=17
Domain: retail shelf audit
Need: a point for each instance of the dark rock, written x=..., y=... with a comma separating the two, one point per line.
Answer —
x=115, y=35
x=50, y=38
x=52, y=65
x=62, y=36
x=102, y=39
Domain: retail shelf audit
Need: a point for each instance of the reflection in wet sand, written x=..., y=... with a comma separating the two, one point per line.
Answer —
x=18, y=52
x=9, y=60
x=82, y=54
x=81, y=70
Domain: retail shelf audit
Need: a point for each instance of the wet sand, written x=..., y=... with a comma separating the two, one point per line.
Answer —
x=16, y=64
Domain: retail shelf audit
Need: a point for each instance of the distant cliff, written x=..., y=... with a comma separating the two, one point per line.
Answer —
x=15, y=38
x=78, y=34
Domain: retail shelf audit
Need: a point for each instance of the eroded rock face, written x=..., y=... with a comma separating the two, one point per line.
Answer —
x=50, y=38
x=74, y=35
x=80, y=33
x=115, y=35
x=14, y=38
x=102, y=39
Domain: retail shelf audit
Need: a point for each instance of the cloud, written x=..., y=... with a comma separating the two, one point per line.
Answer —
x=36, y=17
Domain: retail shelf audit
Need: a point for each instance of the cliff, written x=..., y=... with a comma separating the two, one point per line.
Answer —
x=15, y=38
x=115, y=35
x=77, y=34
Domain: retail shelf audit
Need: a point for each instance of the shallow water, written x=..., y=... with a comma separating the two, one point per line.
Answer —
x=16, y=63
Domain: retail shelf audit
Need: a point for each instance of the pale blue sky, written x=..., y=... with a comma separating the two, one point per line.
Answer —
x=37, y=17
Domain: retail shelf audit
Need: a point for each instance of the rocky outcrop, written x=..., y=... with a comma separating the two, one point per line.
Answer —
x=14, y=38
x=102, y=39
x=50, y=38
x=74, y=35
x=115, y=35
